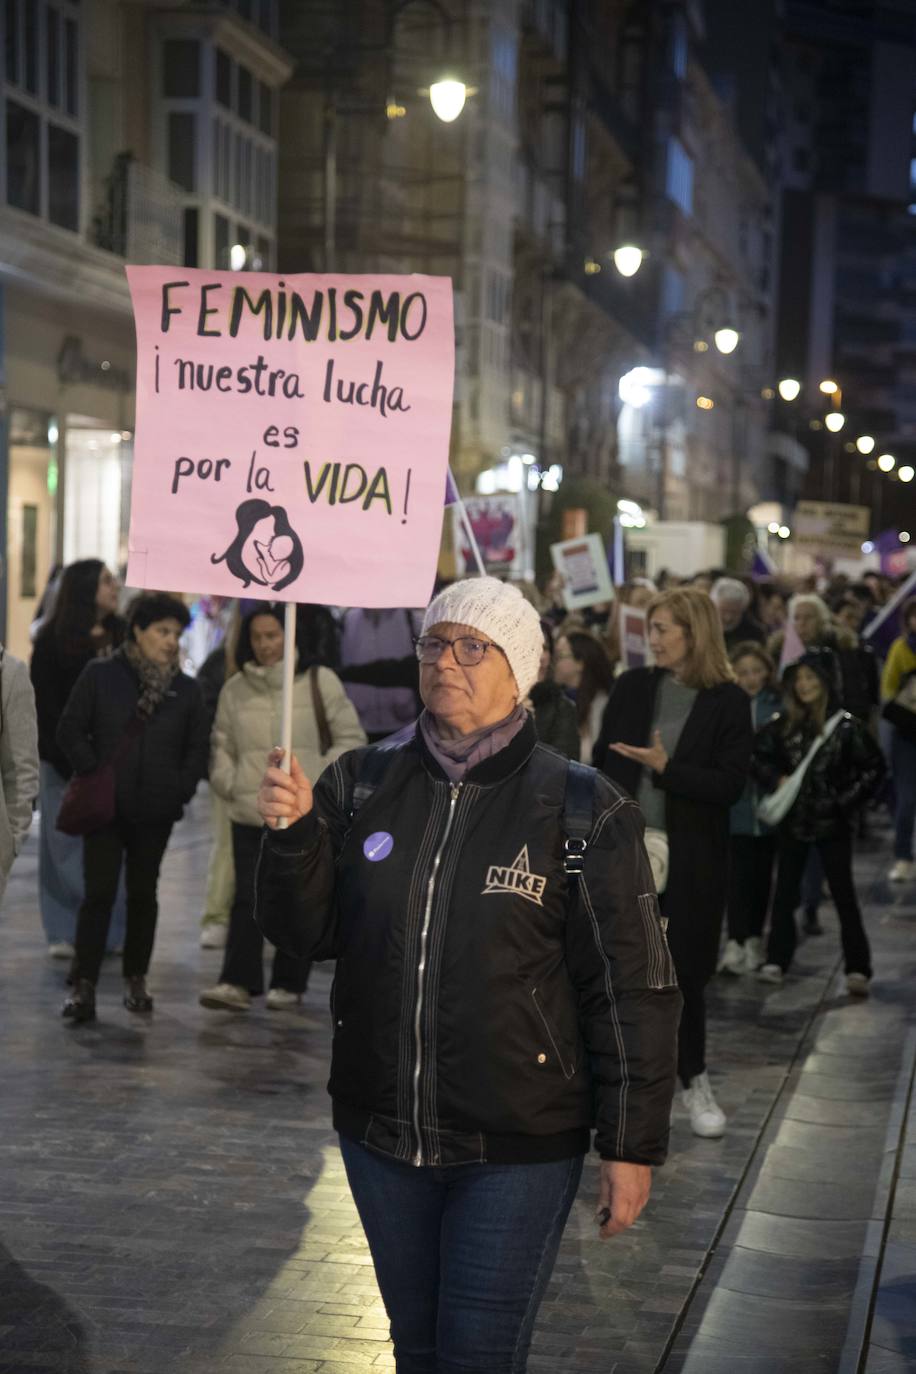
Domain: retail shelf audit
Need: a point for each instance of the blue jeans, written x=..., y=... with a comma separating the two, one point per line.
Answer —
x=60, y=870
x=462, y=1255
x=903, y=763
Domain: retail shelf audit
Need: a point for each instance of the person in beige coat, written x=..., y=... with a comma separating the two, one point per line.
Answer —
x=247, y=727
x=18, y=760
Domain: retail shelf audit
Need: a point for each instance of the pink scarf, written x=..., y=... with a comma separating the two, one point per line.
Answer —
x=456, y=756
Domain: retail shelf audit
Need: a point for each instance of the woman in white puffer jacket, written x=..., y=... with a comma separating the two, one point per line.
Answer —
x=247, y=727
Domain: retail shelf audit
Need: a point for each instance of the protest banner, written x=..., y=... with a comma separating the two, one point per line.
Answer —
x=582, y=563
x=491, y=535
x=292, y=434
x=292, y=438
x=829, y=528
x=634, y=640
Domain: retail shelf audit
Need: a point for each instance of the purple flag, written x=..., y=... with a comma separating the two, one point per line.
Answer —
x=762, y=565
x=885, y=628
x=792, y=647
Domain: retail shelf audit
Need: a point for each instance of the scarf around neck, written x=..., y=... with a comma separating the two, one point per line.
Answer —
x=155, y=679
x=457, y=756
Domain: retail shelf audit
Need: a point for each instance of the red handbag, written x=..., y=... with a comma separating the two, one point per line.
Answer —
x=88, y=804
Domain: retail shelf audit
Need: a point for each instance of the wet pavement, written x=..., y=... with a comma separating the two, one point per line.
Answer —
x=171, y=1196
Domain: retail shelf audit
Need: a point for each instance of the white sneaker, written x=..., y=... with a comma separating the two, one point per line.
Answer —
x=753, y=953
x=857, y=984
x=225, y=997
x=706, y=1116
x=61, y=950
x=281, y=999
x=770, y=973
x=213, y=935
x=902, y=871
x=733, y=960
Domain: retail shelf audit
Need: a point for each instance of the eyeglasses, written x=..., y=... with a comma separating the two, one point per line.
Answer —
x=468, y=651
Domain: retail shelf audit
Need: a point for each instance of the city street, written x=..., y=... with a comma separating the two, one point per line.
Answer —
x=171, y=1197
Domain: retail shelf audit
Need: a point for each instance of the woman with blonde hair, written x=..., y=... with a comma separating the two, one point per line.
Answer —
x=678, y=736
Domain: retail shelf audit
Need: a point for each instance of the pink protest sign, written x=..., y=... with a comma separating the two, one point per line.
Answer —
x=292, y=434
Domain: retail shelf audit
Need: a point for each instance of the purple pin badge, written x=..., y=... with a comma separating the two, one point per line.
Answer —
x=378, y=846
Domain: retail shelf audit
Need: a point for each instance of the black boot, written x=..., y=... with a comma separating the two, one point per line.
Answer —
x=80, y=1005
x=136, y=997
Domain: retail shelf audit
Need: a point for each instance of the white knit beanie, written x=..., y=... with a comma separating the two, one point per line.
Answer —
x=499, y=611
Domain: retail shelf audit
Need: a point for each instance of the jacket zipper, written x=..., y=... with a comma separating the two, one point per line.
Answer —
x=421, y=972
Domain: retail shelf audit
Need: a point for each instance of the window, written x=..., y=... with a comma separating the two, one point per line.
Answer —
x=225, y=157
x=30, y=30
x=220, y=241
x=224, y=79
x=264, y=254
x=266, y=110
x=679, y=176
x=190, y=237
x=245, y=96
x=63, y=177
x=71, y=79
x=266, y=16
x=52, y=47
x=247, y=180
x=181, y=68
x=182, y=132
x=23, y=159
x=12, y=43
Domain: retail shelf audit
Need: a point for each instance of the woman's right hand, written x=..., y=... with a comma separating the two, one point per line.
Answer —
x=284, y=795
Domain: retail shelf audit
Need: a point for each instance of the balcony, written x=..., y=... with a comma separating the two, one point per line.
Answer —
x=142, y=219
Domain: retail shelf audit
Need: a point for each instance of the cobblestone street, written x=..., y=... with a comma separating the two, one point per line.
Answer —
x=171, y=1197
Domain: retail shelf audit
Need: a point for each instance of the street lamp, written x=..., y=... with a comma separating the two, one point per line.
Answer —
x=726, y=339
x=634, y=386
x=887, y=462
x=783, y=531
x=628, y=259
x=865, y=444
x=447, y=97
x=829, y=386
x=906, y=473
x=835, y=421
x=789, y=388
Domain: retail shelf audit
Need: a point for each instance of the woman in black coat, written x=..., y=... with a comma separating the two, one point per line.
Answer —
x=79, y=626
x=679, y=737
x=139, y=710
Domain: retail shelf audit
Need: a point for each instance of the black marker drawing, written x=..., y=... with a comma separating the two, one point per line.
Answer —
x=266, y=549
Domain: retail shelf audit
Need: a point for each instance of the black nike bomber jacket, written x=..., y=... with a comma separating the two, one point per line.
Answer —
x=482, y=1011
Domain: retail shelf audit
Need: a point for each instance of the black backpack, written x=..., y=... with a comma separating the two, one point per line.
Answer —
x=578, y=802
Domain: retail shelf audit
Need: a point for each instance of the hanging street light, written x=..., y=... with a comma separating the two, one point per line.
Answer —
x=789, y=388
x=829, y=386
x=628, y=259
x=887, y=462
x=726, y=339
x=865, y=444
x=835, y=421
x=906, y=473
x=448, y=97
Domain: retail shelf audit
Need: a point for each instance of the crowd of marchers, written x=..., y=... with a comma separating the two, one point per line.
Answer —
x=527, y=854
x=756, y=745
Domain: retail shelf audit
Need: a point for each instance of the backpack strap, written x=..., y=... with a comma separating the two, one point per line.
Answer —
x=577, y=820
x=372, y=769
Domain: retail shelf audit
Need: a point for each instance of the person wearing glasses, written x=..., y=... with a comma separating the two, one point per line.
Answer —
x=486, y=1016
